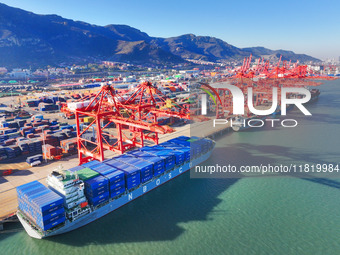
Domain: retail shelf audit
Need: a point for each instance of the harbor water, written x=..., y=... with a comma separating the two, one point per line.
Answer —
x=248, y=215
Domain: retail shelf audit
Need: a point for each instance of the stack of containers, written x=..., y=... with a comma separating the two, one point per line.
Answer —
x=37, y=146
x=183, y=153
x=10, y=152
x=48, y=107
x=75, y=169
x=16, y=149
x=198, y=145
x=195, y=148
x=48, y=132
x=158, y=162
x=13, y=124
x=206, y=143
x=26, y=130
x=179, y=154
x=96, y=186
x=20, y=139
x=132, y=174
x=37, y=123
x=145, y=167
x=49, y=139
x=50, y=151
x=116, y=182
x=53, y=122
x=32, y=102
x=14, y=135
x=97, y=190
x=23, y=145
x=8, y=131
x=167, y=154
x=184, y=138
x=115, y=177
x=84, y=174
x=54, y=127
x=31, y=135
x=31, y=146
x=45, y=122
x=54, y=99
x=3, y=124
x=41, y=129
x=60, y=136
x=3, y=154
x=41, y=205
x=92, y=163
x=3, y=138
x=21, y=123
x=69, y=145
x=9, y=142
x=66, y=127
x=69, y=133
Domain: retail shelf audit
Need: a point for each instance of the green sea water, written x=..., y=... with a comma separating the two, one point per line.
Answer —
x=267, y=215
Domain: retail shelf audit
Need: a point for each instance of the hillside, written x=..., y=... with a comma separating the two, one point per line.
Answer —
x=28, y=39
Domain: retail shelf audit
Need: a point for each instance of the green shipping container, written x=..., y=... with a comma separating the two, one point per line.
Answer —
x=86, y=174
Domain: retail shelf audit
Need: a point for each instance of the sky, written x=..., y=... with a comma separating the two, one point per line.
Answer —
x=309, y=27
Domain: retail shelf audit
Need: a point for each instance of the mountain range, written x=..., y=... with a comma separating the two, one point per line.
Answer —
x=28, y=39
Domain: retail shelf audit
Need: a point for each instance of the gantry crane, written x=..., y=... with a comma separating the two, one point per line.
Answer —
x=119, y=124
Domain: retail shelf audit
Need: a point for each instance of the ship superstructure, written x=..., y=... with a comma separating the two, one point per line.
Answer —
x=71, y=189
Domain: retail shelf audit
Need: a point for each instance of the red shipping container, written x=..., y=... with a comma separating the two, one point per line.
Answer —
x=47, y=132
x=10, y=142
x=30, y=136
x=38, y=131
x=50, y=151
x=58, y=150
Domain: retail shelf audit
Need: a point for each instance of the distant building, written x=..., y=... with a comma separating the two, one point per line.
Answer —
x=315, y=68
x=20, y=73
x=41, y=72
x=110, y=63
x=58, y=71
x=3, y=70
x=189, y=71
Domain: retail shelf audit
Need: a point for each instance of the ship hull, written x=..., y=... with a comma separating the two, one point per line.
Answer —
x=116, y=203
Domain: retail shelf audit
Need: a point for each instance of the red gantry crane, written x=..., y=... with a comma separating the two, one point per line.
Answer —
x=263, y=77
x=119, y=124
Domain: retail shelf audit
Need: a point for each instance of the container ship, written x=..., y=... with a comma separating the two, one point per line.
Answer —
x=315, y=93
x=80, y=195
